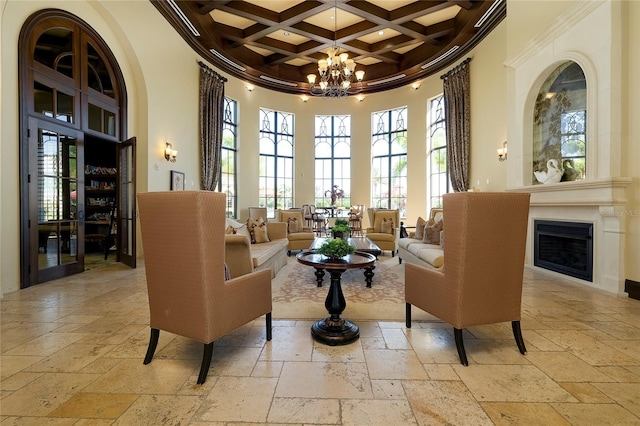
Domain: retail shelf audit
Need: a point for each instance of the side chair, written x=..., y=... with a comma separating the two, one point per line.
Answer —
x=183, y=234
x=481, y=280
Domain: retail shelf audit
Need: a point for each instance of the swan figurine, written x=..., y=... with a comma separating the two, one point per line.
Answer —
x=552, y=175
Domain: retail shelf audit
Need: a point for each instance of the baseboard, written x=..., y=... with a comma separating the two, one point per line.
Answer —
x=633, y=288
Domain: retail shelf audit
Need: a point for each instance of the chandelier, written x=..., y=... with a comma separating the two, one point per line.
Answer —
x=337, y=72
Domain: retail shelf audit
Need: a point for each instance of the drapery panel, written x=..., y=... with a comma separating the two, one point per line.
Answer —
x=457, y=119
x=211, y=124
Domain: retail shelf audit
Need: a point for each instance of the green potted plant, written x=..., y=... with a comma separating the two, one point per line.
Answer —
x=340, y=228
x=336, y=248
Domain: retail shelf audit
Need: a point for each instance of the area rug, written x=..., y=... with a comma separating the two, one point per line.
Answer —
x=296, y=296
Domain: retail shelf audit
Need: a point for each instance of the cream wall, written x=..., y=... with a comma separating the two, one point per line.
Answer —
x=161, y=74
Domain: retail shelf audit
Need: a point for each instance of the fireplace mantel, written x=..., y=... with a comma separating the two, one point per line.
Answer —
x=587, y=192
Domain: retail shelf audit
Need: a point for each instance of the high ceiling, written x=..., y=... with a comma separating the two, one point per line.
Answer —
x=277, y=43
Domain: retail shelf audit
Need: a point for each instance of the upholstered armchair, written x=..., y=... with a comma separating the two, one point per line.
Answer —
x=481, y=280
x=384, y=228
x=183, y=234
x=299, y=235
x=258, y=212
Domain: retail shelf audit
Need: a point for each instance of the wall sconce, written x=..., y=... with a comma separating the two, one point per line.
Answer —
x=304, y=98
x=502, y=152
x=359, y=98
x=250, y=87
x=415, y=85
x=170, y=154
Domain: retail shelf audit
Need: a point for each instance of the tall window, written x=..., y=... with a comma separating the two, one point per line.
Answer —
x=228, y=182
x=437, y=158
x=276, y=161
x=389, y=162
x=333, y=159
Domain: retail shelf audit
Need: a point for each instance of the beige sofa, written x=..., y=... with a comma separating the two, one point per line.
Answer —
x=417, y=252
x=271, y=255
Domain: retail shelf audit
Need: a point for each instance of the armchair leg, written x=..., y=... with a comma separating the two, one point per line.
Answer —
x=206, y=362
x=408, y=314
x=517, y=333
x=268, y=320
x=460, y=346
x=153, y=344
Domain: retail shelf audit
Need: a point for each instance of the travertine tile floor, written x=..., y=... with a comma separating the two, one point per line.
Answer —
x=72, y=354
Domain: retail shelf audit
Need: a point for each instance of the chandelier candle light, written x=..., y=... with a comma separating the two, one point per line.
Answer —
x=337, y=72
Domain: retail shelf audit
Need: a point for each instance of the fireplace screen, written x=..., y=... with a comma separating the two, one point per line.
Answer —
x=564, y=247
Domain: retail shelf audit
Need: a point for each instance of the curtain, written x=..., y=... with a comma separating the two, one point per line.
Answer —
x=457, y=120
x=211, y=122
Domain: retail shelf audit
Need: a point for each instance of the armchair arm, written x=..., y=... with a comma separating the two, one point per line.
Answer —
x=237, y=254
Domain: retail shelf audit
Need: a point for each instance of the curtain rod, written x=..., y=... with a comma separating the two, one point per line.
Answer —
x=455, y=69
x=206, y=68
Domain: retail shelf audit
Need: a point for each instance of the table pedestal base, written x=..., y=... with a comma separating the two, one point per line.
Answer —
x=335, y=332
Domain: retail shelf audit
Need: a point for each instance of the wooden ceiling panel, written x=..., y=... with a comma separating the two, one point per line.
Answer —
x=276, y=43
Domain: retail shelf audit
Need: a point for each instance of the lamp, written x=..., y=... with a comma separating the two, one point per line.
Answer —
x=502, y=152
x=170, y=154
x=337, y=72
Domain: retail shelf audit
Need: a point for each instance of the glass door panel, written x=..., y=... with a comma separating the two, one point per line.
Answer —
x=127, y=202
x=60, y=249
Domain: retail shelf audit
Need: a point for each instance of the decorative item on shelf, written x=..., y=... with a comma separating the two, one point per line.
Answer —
x=502, y=152
x=340, y=229
x=336, y=194
x=336, y=248
x=170, y=154
x=337, y=72
x=552, y=175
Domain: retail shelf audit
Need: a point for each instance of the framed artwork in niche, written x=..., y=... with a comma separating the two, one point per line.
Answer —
x=177, y=181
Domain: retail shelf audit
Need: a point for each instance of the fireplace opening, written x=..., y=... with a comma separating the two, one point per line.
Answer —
x=564, y=247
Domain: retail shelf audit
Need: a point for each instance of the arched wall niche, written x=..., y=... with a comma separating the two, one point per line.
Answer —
x=528, y=113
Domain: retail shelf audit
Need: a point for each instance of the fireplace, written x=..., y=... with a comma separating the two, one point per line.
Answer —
x=564, y=247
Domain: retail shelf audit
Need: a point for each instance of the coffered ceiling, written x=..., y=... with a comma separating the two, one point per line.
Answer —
x=277, y=43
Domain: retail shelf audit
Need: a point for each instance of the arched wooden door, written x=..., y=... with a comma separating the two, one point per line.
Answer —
x=72, y=95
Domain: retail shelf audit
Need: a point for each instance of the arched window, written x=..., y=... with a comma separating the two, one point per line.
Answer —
x=559, y=130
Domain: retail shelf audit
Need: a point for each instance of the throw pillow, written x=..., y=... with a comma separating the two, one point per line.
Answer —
x=432, y=232
x=442, y=239
x=260, y=233
x=229, y=230
x=293, y=225
x=227, y=273
x=387, y=226
x=420, y=223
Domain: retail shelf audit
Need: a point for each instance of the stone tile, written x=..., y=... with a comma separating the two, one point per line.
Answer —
x=585, y=392
x=625, y=394
x=511, y=383
x=37, y=421
x=620, y=374
x=45, y=394
x=238, y=399
x=519, y=413
x=160, y=410
x=376, y=412
x=440, y=372
x=72, y=358
x=395, y=338
x=288, y=344
x=435, y=403
x=387, y=389
x=589, y=350
x=340, y=353
x=46, y=345
x=267, y=369
x=596, y=414
x=94, y=405
x=433, y=345
x=566, y=367
x=10, y=365
x=323, y=379
x=394, y=364
x=304, y=410
x=18, y=381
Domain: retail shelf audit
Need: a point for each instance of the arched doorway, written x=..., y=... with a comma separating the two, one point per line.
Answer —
x=77, y=177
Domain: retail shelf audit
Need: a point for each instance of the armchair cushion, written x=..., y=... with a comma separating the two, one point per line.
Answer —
x=294, y=220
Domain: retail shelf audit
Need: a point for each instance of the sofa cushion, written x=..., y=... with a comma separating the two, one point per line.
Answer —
x=433, y=256
x=261, y=253
x=432, y=232
x=301, y=236
x=406, y=242
x=238, y=228
x=420, y=223
x=379, y=236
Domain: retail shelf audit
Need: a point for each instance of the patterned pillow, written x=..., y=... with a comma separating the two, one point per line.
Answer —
x=292, y=225
x=432, y=232
x=230, y=230
x=260, y=233
x=420, y=223
x=227, y=273
x=251, y=224
x=387, y=226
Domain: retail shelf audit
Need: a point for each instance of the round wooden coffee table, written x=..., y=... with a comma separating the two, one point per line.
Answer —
x=335, y=330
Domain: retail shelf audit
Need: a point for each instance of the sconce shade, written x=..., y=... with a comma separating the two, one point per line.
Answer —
x=170, y=154
x=502, y=152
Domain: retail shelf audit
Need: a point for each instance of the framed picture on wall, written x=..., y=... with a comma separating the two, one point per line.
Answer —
x=177, y=181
